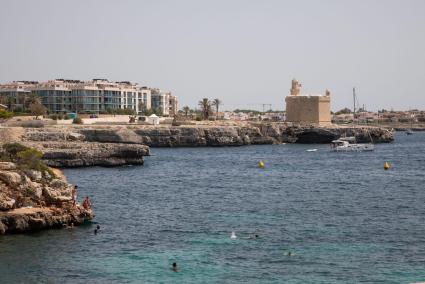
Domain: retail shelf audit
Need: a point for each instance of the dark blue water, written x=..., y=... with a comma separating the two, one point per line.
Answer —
x=343, y=217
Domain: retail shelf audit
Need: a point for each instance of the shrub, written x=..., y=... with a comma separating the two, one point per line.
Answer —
x=5, y=114
x=12, y=149
x=31, y=158
x=198, y=118
x=77, y=120
x=53, y=116
x=26, y=158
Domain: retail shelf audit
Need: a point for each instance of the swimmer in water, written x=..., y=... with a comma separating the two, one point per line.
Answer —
x=95, y=231
x=174, y=268
x=98, y=227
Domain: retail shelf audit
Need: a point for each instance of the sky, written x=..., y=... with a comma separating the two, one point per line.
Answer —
x=243, y=52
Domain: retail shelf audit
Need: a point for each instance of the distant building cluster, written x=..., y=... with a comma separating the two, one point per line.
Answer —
x=96, y=96
x=383, y=116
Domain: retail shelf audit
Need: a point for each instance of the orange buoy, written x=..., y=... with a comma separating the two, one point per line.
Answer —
x=387, y=166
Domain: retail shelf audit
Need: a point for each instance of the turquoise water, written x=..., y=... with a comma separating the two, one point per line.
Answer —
x=343, y=217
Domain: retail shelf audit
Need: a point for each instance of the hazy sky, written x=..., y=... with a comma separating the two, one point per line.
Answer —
x=242, y=52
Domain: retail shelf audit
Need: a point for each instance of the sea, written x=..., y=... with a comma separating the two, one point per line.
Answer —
x=307, y=217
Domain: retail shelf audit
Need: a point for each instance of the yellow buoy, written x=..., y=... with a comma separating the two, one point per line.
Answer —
x=387, y=166
x=261, y=164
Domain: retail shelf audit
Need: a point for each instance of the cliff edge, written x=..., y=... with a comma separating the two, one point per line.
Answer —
x=32, y=200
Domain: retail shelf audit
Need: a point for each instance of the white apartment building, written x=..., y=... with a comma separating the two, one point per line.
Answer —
x=96, y=96
x=165, y=102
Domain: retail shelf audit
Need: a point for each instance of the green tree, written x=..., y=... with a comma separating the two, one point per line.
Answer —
x=10, y=101
x=142, y=107
x=186, y=110
x=343, y=111
x=216, y=103
x=205, y=106
x=30, y=99
x=148, y=112
x=37, y=109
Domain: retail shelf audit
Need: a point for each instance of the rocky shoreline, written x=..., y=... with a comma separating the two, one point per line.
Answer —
x=65, y=148
x=31, y=200
x=195, y=136
x=78, y=146
x=85, y=154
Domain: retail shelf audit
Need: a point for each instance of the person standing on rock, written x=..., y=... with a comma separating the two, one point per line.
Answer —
x=86, y=203
x=74, y=194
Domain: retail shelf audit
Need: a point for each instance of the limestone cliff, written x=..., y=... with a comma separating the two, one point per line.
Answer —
x=193, y=136
x=31, y=200
x=116, y=145
x=63, y=147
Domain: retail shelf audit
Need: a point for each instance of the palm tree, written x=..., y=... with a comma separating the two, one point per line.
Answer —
x=186, y=110
x=205, y=106
x=216, y=103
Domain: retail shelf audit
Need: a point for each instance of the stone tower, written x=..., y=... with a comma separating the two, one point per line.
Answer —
x=307, y=109
x=296, y=88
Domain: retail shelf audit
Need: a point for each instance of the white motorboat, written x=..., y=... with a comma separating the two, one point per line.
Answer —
x=342, y=145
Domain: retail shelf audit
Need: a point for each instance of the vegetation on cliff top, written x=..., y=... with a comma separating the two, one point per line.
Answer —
x=4, y=114
x=25, y=158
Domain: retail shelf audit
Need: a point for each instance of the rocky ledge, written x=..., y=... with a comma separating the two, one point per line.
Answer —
x=83, y=154
x=31, y=200
x=68, y=148
x=193, y=136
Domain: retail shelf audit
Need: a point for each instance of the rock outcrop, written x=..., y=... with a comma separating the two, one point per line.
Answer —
x=65, y=147
x=83, y=154
x=32, y=200
x=194, y=136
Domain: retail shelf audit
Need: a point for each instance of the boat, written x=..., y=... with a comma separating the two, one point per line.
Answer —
x=350, y=139
x=348, y=144
x=311, y=150
x=409, y=132
x=340, y=145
